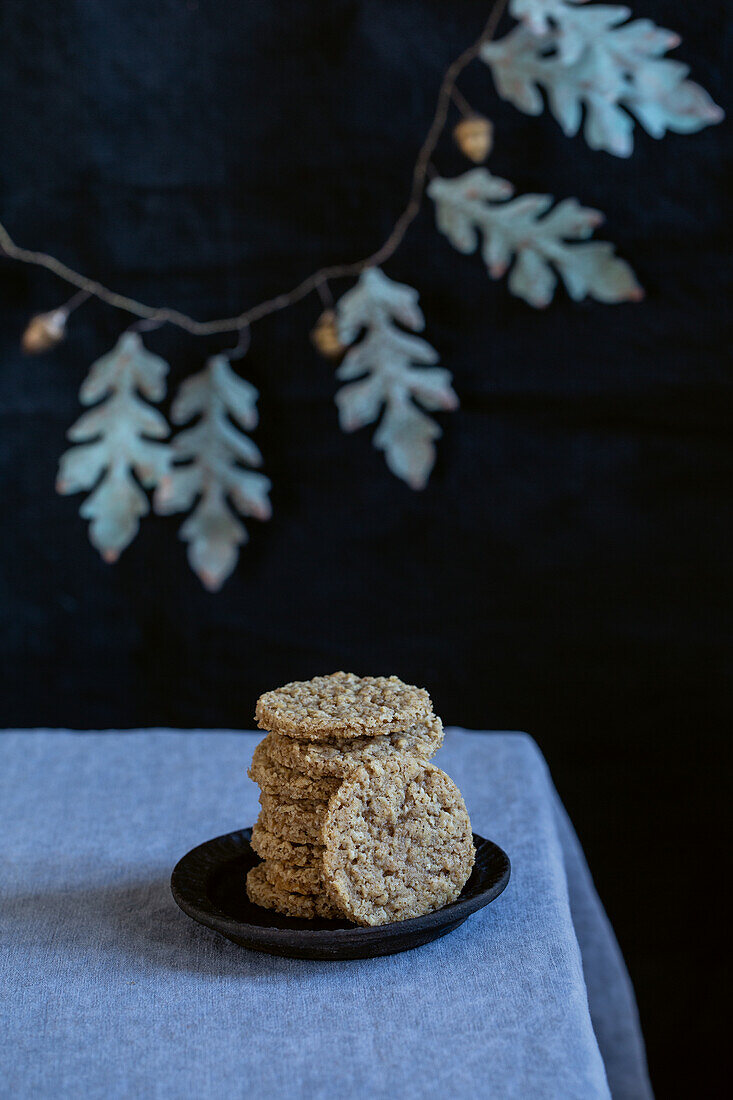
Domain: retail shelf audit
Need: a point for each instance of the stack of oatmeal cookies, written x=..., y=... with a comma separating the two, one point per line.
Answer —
x=355, y=824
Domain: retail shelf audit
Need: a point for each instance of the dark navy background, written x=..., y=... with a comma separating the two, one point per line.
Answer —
x=566, y=572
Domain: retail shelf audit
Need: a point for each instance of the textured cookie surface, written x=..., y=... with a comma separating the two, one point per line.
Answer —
x=294, y=880
x=340, y=758
x=269, y=846
x=342, y=706
x=397, y=842
x=299, y=822
x=288, y=783
x=263, y=893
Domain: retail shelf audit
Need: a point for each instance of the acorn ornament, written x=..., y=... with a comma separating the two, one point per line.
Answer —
x=474, y=136
x=325, y=336
x=44, y=332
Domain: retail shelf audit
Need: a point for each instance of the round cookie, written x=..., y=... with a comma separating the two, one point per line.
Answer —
x=299, y=822
x=342, y=706
x=287, y=783
x=261, y=892
x=340, y=758
x=269, y=846
x=294, y=880
x=397, y=842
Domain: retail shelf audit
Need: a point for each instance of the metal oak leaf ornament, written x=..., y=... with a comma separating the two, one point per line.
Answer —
x=115, y=452
x=597, y=70
x=382, y=364
x=538, y=241
x=213, y=461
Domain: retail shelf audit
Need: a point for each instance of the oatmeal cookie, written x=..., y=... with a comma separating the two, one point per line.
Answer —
x=342, y=706
x=339, y=758
x=261, y=892
x=299, y=822
x=294, y=880
x=287, y=783
x=269, y=846
x=398, y=842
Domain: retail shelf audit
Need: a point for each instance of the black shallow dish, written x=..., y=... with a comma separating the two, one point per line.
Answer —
x=208, y=884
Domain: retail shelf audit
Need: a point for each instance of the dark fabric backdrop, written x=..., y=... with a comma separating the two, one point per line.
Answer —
x=567, y=569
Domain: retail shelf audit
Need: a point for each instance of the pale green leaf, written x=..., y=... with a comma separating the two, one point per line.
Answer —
x=116, y=449
x=387, y=382
x=210, y=460
x=537, y=240
x=587, y=58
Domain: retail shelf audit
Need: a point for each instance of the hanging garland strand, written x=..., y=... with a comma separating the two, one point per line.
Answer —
x=92, y=288
x=598, y=67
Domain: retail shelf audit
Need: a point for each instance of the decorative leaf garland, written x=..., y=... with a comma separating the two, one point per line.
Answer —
x=596, y=69
x=590, y=57
x=215, y=454
x=114, y=444
x=382, y=362
x=468, y=207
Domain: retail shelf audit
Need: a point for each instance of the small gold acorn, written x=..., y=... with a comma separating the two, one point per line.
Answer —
x=325, y=336
x=474, y=136
x=44, y=332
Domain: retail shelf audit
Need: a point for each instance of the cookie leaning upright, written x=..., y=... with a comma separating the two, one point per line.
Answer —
x=342, y=706
x=397, y=842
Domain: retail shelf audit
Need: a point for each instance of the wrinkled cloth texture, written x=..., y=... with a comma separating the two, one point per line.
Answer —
x=109, y=990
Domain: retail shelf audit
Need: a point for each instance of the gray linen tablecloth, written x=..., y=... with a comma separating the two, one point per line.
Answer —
x=108, y=990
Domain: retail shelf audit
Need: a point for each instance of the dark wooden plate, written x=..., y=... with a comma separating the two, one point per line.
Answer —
x=209, y=886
